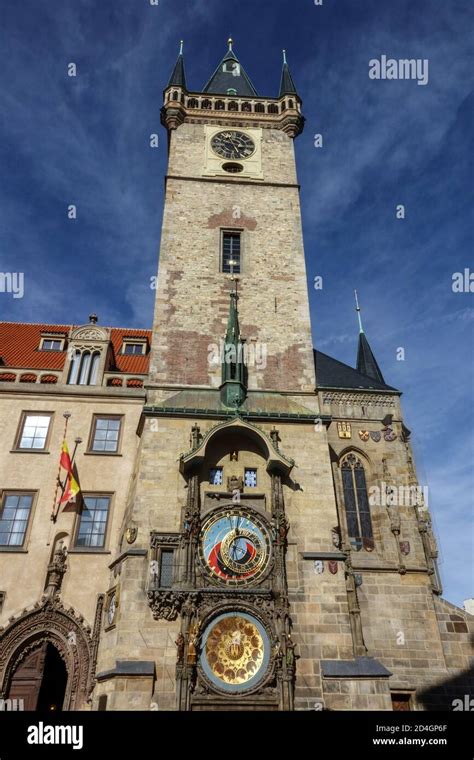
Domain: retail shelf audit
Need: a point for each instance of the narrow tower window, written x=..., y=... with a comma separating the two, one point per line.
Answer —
x=231, y=252
x=359, y=523
x=166, y=568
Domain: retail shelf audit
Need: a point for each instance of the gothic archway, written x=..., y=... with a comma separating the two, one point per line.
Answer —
x=49, y=623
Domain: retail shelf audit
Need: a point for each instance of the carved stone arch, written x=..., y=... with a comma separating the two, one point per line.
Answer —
x=51, y=623
x=90, y=332
x=276, y=461
x=360, y=454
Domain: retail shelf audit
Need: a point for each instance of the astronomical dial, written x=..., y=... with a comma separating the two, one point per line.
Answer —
x=235, y=652
x=235, y=547
x=233, y=145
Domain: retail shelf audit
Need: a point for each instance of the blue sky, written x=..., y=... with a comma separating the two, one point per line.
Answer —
x=85, y=141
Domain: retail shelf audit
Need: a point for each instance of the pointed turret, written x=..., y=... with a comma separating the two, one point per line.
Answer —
x=287, y=86
x=366, y=362
x=178, y=77
x=233, y=388
x=230, y=78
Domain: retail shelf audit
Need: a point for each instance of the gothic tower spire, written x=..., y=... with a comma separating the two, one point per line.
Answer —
x=366, y=362
x=178, y=77
x=287, y=86
x=230, y=78
x=233, y=390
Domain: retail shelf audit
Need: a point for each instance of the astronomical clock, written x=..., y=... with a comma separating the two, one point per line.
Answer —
x=228, y=586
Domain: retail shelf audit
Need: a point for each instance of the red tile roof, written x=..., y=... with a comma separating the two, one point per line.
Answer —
x=20, y=341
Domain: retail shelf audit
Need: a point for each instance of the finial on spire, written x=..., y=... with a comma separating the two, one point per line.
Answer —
x=358, y=311
x=284, y=57
x=230, y=42
x=181, y=44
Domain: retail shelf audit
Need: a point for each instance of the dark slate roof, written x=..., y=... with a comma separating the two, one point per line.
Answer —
x=178, y=77
x=287, y=86
x=361, y=667
x=331, y=373
x=366, y=362
x=221, y=81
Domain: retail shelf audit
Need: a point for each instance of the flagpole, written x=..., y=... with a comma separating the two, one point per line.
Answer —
x=55, y=511
x=77, y=441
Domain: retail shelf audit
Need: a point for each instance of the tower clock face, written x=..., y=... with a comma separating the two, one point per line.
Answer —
x=233, y=145
x=235, y=547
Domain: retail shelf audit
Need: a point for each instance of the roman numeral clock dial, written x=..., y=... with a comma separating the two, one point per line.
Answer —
x=233, y=145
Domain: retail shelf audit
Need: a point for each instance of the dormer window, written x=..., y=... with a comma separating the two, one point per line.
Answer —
x=231, y=67
x=231, y=91
x=51, y=343
x=134, y=347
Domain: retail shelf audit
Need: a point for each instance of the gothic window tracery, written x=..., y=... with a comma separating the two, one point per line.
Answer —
x=356, y=503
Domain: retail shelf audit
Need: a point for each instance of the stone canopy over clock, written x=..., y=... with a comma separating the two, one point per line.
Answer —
x=233, y=151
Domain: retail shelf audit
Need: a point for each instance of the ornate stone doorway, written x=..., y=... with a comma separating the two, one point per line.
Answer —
x=47, y=657
x=40, y=680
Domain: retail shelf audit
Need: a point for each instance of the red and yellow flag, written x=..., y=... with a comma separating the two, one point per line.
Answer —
x=72, y=486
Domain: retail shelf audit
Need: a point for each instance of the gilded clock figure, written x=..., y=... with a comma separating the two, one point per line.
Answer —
x=235, y=546
x=232, y=144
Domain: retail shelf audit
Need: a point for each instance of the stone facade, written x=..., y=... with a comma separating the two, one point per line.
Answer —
x=235, y=578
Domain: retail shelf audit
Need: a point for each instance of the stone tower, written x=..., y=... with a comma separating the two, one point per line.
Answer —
x=248, y=536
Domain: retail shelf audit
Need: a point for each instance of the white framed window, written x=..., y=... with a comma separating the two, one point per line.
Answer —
x=105, y=436
x=33, y=432
x=250, y=477
x=92, y=522
x=14, y=517
x=52, y=344
x=133, y=348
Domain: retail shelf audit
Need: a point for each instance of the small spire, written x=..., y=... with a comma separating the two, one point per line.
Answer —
x=178, y=76
x=366, y=361
x=361, y=329
x=230, y=42
x=287, y=86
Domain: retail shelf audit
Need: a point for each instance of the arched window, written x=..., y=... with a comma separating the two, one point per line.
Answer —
x=233, y=105
x=74, y=368
x=246, y=107
x=359, y=523
x=291, y=104
x=272, y=108
x=193, y=103
x=206, y=104
x=84, y=368
x=259, y=108
x=220, y=105
x=94, y=369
